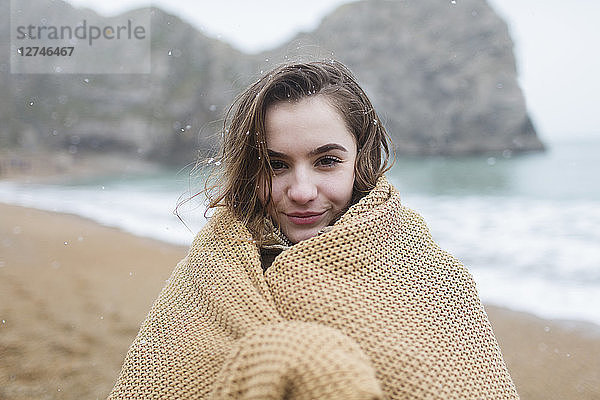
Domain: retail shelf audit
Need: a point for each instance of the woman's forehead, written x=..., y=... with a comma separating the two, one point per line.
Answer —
x=310, y=113
x=310, y=122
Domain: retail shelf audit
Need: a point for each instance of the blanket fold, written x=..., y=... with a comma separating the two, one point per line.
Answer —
x=372, y=308
x=296, y=360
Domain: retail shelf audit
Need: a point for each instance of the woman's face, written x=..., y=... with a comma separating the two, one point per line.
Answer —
x=312, y=155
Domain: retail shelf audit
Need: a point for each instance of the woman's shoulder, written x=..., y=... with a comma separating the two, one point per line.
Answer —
x=222, y=229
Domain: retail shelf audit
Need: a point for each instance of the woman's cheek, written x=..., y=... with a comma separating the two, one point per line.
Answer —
x=276, y=204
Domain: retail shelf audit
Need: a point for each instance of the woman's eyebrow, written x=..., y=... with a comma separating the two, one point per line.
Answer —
x=275, y=154
x=319, y=150
x=327, y=147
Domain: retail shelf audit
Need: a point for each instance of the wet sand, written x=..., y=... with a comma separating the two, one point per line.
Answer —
x=73, y=294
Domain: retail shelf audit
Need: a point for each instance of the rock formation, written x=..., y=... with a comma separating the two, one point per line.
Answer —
x=441, y=75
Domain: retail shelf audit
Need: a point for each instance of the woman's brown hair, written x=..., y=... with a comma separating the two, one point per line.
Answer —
x=244, y=158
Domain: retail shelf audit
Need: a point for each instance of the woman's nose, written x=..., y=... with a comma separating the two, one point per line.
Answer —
x=303, y=188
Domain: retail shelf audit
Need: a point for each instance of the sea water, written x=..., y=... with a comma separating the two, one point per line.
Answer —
x=526, y=226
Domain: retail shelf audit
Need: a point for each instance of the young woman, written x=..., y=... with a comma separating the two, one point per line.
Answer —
x=311, y=280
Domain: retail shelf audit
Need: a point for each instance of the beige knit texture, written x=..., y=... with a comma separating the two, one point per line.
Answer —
x=371, y=309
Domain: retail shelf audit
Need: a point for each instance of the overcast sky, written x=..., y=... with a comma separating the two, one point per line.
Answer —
x=556, y=42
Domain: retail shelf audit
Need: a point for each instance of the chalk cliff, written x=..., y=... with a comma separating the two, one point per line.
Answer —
x=441, y=75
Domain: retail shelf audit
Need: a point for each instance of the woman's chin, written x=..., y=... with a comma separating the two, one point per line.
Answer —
x=297, y=235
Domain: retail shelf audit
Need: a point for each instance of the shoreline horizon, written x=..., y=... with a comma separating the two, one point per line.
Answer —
x=567, y=321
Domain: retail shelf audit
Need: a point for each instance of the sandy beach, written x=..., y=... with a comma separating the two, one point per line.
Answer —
x=73, y=294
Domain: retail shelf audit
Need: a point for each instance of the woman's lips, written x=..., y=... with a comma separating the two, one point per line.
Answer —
x=304, y=218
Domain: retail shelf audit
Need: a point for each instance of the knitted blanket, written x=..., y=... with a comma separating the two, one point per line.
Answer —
x=371, y=309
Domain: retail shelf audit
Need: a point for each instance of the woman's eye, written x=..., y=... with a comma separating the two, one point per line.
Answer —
x=277, y=165
x=328, y=161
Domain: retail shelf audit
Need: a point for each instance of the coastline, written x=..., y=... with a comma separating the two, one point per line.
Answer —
x=65, y=167
x=73, y=294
